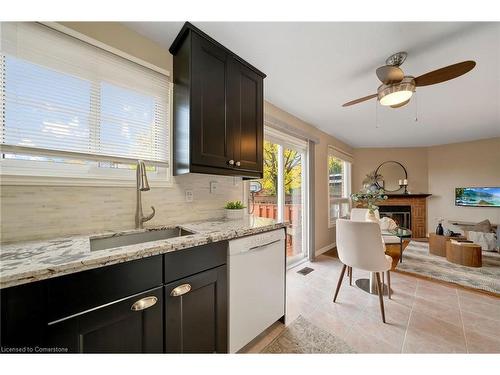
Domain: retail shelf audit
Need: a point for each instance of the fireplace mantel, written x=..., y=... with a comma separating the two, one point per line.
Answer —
x=418, y=204
x=409, y=195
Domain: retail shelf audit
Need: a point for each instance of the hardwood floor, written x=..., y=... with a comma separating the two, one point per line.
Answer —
x=422, y=317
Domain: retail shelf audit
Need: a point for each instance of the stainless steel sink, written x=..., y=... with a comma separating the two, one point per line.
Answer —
x=103, y=243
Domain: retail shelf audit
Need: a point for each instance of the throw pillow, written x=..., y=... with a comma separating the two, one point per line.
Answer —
x=487, y=241
x=386, y=223
x=483, y=226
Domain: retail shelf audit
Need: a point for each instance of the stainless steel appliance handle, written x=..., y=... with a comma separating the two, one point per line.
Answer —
x=180, y=290
x=144, y=303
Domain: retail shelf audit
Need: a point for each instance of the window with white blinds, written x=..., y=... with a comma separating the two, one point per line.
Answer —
x=64, y=98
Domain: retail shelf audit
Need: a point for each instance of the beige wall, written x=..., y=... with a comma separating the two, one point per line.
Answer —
x=324, y=236
x=460, y=165
x=438, y=170
x=414, y=160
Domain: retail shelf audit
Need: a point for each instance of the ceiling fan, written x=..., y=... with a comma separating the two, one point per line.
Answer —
x=397, y=88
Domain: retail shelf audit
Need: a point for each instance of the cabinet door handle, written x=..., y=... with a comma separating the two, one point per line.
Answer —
x=180, y=290
x=144, y=303
x=238, y=163
x=230, y=162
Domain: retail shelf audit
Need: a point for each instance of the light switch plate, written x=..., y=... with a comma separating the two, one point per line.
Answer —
x=213, y=187
x=189, y=195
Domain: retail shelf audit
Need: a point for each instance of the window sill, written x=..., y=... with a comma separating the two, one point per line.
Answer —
x=23, y=180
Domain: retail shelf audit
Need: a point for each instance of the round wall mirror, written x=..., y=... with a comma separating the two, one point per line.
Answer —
x=391, y=172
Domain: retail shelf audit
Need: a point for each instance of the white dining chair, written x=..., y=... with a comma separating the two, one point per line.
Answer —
x=361, y=214
x=360, y=246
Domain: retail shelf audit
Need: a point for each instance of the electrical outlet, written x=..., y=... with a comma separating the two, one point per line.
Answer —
x=189, y=195
x=213, y=187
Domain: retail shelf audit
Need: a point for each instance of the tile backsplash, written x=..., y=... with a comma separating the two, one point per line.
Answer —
x=40, y=212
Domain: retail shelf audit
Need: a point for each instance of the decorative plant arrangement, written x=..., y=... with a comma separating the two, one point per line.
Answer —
x=370, y=181
x=369, y=199
x=234, y=210
x=236, y=205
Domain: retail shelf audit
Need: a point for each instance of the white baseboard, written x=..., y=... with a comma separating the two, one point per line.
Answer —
x=325, y=249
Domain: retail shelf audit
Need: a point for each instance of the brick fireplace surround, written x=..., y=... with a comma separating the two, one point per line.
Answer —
x=418, y=204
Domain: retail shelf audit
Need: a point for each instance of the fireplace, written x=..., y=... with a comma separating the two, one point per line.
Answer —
x=400, y=214
x=409, y=207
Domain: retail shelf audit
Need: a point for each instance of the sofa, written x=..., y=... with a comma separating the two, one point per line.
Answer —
x=483, y=234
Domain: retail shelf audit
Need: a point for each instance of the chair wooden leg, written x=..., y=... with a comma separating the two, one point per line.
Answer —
x=380, y=296
x=340, y=282
x=389, y=284
x=350, y=276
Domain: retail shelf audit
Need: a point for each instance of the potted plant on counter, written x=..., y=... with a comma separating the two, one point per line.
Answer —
x=369, y=199
x=234, y=210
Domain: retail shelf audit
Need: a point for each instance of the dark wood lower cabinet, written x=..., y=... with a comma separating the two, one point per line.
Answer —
x=196, y=321
x=114, y=327
x=92, y=311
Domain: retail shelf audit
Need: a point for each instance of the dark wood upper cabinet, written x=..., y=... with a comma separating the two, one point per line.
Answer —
x=218, y=108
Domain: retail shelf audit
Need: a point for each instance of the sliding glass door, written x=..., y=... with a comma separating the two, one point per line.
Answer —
x=284, y=190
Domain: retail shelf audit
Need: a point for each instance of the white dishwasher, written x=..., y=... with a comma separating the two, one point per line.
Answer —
x=257, y=267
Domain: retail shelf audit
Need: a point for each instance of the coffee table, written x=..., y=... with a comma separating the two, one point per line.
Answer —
x=466, y=254
x=401, y=233
x=438, y=243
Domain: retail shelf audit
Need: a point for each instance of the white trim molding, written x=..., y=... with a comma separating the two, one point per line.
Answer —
x=324, y=249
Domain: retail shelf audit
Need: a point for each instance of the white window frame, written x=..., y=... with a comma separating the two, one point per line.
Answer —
x=26, y=172
x=346, y=181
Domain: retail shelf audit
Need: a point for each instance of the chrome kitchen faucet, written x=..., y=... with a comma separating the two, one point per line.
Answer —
x=142, y=185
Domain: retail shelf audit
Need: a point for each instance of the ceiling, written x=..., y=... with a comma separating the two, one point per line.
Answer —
x=312, y=68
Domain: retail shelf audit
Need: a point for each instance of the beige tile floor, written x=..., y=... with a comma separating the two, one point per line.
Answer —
x=422, y=316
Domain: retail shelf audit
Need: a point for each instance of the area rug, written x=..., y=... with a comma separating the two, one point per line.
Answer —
x=304, y=337
x=417, y=260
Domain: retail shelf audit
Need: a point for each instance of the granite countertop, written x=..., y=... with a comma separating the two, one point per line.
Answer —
x=25, y=262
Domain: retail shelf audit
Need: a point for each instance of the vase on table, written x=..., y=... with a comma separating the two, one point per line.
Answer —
x=439, y=230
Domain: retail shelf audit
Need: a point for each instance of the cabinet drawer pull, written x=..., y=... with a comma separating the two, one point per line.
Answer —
x=230, y=162
x=144, y=303
x=238, y=163
x=180, y=290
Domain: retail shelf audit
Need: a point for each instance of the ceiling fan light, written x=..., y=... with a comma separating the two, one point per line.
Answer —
x=396, y=97
x=397, y=93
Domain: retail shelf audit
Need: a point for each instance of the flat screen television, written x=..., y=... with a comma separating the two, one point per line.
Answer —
x=477, y=196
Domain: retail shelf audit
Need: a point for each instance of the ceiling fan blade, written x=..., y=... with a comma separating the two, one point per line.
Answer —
x=445, y=74
x=356, y=101
x=400, y=104
x=390, y=74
